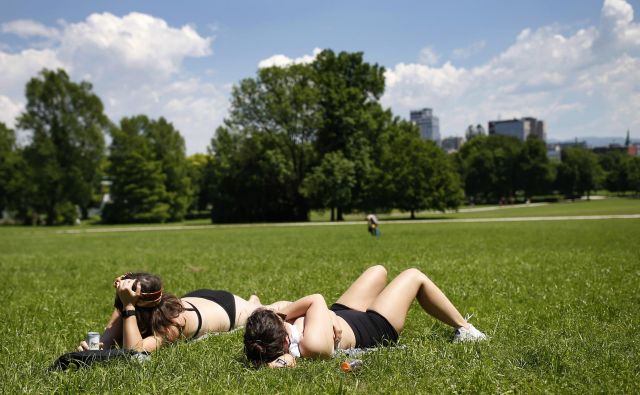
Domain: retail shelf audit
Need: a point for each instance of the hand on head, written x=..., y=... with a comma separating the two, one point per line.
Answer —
x=128, y=290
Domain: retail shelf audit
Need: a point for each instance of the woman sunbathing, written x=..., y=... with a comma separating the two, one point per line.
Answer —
x=368, y=314
x=146, y=317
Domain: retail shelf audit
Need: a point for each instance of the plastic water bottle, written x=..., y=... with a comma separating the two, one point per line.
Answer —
x=351, y=365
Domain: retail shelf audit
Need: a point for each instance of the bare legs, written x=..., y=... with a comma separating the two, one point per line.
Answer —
x=365, y=289
x=394, y=301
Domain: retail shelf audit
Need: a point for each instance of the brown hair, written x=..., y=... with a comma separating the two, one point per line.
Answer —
x=157, y=320
x=264, y=336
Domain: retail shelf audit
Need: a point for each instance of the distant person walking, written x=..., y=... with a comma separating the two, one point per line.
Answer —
x=373, y=226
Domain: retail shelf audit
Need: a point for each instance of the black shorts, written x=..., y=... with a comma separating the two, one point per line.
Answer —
x=371, y=328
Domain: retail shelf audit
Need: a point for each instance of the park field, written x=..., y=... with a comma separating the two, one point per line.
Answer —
x=558, y=299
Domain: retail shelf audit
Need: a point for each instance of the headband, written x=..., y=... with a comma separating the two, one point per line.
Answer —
x=146, y=299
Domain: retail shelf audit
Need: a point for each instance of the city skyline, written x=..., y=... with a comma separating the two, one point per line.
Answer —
x=573, y=64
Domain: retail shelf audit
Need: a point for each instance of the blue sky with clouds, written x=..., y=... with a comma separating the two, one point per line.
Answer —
x=572, y=63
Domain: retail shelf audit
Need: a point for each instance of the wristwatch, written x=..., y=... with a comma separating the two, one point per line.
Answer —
x=128, y=313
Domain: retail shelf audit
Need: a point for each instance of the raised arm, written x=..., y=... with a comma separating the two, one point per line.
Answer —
x=131, y=337
x=318, y=335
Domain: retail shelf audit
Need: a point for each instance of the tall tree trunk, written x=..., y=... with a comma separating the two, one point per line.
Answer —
x=340, y=217
x=333, y=214
x=413, y=214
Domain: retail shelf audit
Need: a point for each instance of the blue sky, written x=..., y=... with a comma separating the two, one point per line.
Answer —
x=572, y=63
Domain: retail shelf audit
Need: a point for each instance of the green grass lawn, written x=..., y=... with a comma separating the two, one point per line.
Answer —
x=559, y=300
x=610, y=206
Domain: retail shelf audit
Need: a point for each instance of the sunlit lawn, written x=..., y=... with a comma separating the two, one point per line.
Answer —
x=559, y=300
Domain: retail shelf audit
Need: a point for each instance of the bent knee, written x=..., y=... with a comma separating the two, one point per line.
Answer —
x=414, y=272
x=378, y=269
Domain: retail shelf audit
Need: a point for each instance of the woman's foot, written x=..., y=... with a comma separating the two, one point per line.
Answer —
x=470, y=334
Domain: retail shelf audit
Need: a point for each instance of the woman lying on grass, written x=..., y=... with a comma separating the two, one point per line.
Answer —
x=368, y=314
x=145, y=317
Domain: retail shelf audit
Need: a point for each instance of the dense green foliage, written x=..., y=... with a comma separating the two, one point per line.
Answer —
x=8, y=158
x=66, y=151
x=150, y=172
x=556, y=298
x=315, y=136
x=299, y=138
x=579, y=173
x=138, y=192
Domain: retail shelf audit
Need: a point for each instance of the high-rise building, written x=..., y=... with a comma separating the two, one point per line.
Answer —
x=519, y=128
x=428, y=123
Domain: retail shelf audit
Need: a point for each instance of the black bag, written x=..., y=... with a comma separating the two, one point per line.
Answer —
x=85, y=358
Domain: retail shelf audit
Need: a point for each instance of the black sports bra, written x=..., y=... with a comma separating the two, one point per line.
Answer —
x=193, y=308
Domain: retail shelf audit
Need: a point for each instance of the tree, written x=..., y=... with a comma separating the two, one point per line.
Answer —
x=66, y=152
x=615, y=165
x=330, y=183
x=7, y=153
x=534, y=173
x=268, y=137
x=352, y=117
x=421, y=175
x=197, y=170
x=579, y=172
x=138, y=192
x=167, y=148
x=252, y=179
x=634, y=174
x=488, y=165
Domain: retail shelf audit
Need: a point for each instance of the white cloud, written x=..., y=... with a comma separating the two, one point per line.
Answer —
x=9, y=110
x=467, y=52
x=428, y=56
x=585, y=79
x=134, y=63
x=194, y=107
x=282, y=60
x=29, y=28
x=18, y=68
x=105, y=43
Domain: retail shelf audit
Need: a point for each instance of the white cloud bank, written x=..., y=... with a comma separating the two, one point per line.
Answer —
x=582, y=84
x=282, y=60
x=133, y=61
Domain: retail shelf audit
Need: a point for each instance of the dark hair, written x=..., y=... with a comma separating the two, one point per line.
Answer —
x=264, y=336
x=156, y=320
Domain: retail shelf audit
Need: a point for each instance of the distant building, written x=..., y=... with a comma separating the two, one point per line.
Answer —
x=428, y=123
x=553, y=152
x=452, y=144
x=519, y=128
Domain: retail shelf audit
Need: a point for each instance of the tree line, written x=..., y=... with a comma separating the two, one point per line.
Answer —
x=297, y=138
x=498, y=168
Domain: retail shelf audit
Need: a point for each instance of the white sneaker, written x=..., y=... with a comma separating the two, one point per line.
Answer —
x=470, y=334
